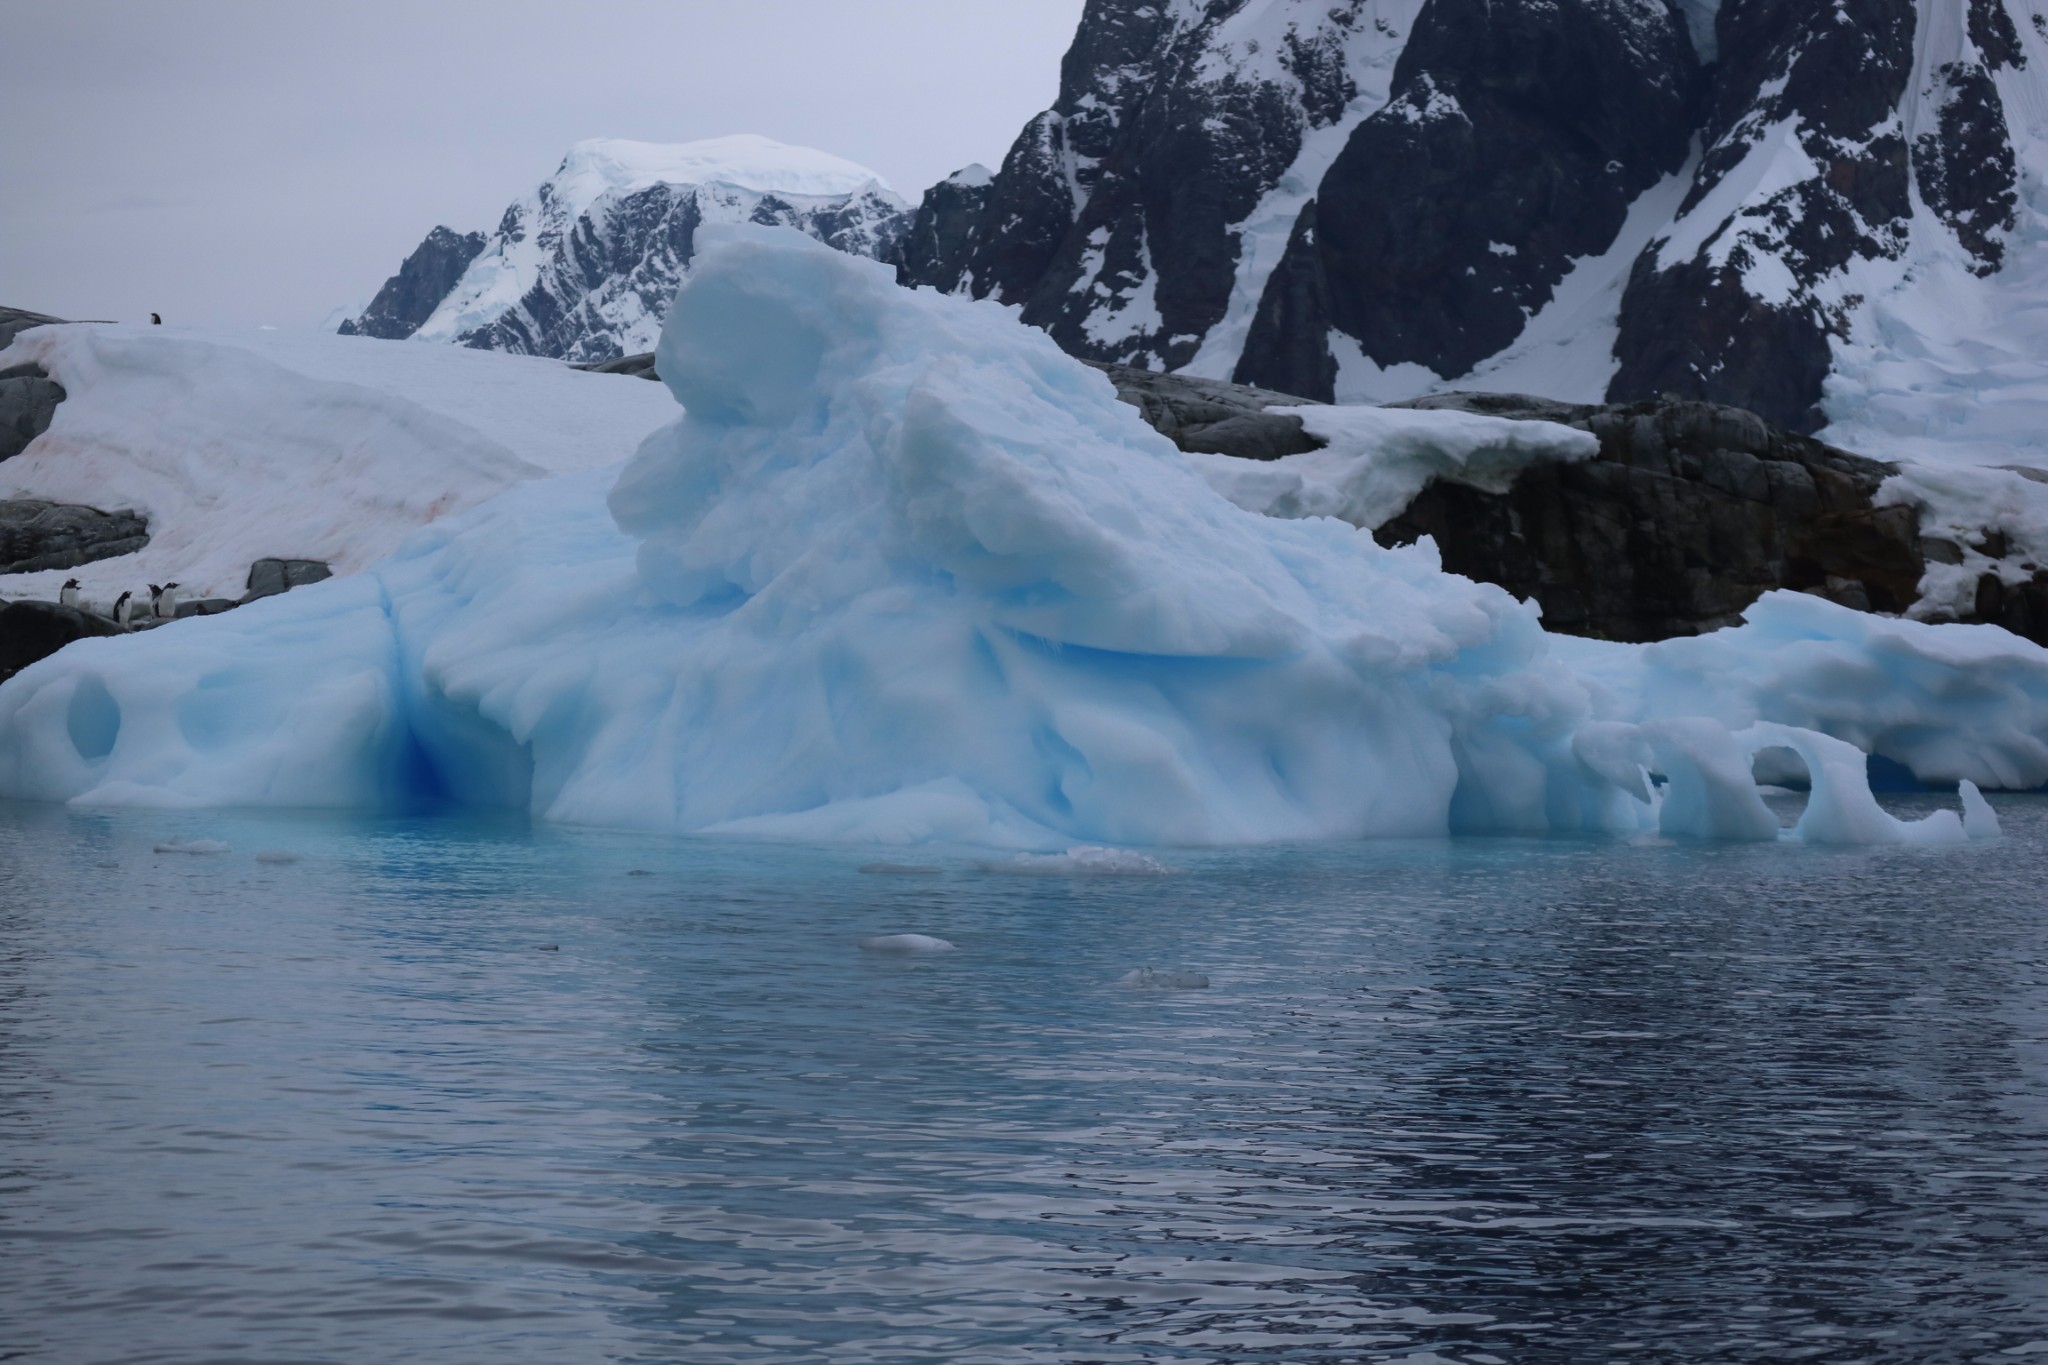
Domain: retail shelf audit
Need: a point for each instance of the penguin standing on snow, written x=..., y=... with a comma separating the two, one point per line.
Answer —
x=67, y=596
x=167, y=603
x=124, y=609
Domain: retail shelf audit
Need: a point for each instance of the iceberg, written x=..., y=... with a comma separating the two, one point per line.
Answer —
x=902, y=571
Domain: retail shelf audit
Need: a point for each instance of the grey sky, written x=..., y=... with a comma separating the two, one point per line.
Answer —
x=266, y=161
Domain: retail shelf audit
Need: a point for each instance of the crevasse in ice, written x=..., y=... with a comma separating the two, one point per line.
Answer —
x=901, y=571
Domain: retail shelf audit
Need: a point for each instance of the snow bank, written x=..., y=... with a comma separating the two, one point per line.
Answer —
x=1378, y=459
x=1961, y=503
x=239, y=446
x=903, y=571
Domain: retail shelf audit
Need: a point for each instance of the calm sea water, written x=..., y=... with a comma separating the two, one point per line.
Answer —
x=450, y=1089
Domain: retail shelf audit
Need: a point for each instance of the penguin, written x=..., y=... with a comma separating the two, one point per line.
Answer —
x=124, y=609
x=156, y=320
x=67, y=596
x=167, y=603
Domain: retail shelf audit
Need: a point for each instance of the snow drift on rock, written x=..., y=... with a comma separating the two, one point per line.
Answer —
x=902, y=571
x=1378, y=459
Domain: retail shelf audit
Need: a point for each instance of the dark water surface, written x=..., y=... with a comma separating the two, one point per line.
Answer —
x=1475, y=1101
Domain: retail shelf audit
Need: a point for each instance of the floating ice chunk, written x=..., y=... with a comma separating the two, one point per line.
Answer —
x=1084, y=862
x=1946, y=701
x=901, y=869
x=192, y=846
x=1712, y=794
x=277, y=855
x=1979, y=820
x=1145, y=979
x=1708, y=792
x=1840, y=808
x=904, y=944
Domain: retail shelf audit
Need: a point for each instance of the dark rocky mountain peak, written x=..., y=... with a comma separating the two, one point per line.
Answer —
x=410, y=297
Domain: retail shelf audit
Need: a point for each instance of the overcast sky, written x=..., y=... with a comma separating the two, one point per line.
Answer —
x=267, y=161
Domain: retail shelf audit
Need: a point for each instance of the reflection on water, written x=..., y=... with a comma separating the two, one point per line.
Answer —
x=450, y=1089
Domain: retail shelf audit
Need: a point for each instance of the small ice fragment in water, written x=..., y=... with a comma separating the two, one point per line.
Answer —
x=1979, y=820
x=901, y=869
x=277, y=855
x=1145, y=979
x=193, y=846
x=904, y=944
x=1085, y=861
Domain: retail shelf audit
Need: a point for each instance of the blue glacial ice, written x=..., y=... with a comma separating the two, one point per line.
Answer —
x=902, y=571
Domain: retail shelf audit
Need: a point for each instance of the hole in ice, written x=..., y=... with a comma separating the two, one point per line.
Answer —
x=901, y=869
x=93, y=719
x=904, y=945
x=192, y=846
x=1784, y=782
x=1145, y=979
x=1086, y=861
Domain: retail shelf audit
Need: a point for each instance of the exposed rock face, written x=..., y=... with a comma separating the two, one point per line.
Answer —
x=1119, y=217
x=1965, y=163
x=36, y=535
x=639, y=366
x=1453, y=212
x=938, y=245
x=410, y=297
x=30, y=631
x=17, y=320
x=1372, y=199
x=1804, y=130
x=1208, y=415
x=1690, y=513
x=269, y=577
x=28, y=401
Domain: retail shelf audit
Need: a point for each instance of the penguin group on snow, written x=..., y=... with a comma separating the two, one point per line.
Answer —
x=163, y=605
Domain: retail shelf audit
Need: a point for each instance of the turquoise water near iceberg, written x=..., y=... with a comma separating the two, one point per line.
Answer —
x=450, y=1088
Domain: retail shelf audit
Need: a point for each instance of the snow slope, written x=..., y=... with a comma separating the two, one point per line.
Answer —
x=1944, y=363
x=241, y=445
x=903, y=571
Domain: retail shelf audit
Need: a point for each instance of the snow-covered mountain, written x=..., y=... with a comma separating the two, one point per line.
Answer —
x=584, y=268
x=1823, y=212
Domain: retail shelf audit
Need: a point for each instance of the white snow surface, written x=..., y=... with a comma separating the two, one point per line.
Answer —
x=243, y=445
x=902, y=571
x=1378, y=459
x=600, y=166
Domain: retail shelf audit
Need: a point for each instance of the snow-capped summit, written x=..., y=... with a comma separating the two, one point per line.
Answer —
x=584, y=267
x=603, y=165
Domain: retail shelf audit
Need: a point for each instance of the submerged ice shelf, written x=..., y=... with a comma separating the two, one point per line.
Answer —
x=903, y=571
